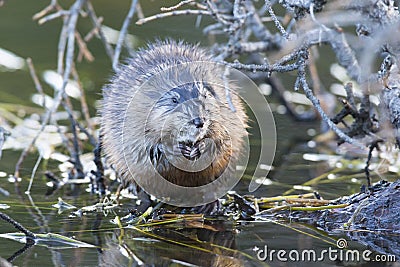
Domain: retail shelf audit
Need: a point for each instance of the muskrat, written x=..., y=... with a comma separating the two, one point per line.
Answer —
x=153, y=122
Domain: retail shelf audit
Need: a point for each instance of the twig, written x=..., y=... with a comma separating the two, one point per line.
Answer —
x=258, y=28
x=174, y=13
x=347, y=110
x=338, y=206
x=84, y=106
x=182, y=3
x=92, y=140
x=350, y=96
x=372, y=146
x=52, y=6
x=311, y=201
x=18, y=226
x=363, y=204
x=83, y=50
x=139, y=11
x=264, y=67
x=235, y=30
x=315, y=101
x=283, y=198
x=71, y=24
x=64, y=139
x=36, y=81
x=312, y=6
x=73, y=18
x=217, y=14
x=99, y=173
x=28, y=191
x=278, y=86
x=76, y=151
x=62, y=43
x=278, y=23
x=29, y=244
x=212, y=29
x=323, y=115
x=123, y=33
x=58, y=14
x=97, y=25
x=345, y=55
x=312, y=66
x=94, y=31
x=236, y=8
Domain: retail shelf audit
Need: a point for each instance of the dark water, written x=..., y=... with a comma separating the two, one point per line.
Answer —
x=24, y=37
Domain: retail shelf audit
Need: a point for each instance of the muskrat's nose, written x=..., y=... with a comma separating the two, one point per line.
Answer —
x=199, y=122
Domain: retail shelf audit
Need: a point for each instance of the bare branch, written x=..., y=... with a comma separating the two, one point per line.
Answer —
x=182, y=3
x=52, y=6
x=83, y=50
x=123, y=32
x=74, y=13
x=97, y=25
x=36, y=81
x=277, y=23
x=94, y=31
x=173, y=13
x=310, y=95
x=60, y=13
x=29, y=235
x=84, y=105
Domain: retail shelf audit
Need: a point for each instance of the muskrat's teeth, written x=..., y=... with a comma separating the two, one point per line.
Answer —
x=202, y=146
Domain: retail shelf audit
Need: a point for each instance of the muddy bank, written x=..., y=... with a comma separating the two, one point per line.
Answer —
x=372, y=217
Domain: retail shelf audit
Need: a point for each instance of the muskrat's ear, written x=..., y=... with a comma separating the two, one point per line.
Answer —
x=209, y=88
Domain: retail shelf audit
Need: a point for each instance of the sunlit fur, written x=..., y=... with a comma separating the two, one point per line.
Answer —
x=150, y=107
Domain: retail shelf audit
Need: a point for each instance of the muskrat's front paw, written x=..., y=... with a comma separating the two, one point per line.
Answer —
x=213, y=208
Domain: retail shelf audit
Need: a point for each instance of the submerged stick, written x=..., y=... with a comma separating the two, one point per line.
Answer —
x=29, y=235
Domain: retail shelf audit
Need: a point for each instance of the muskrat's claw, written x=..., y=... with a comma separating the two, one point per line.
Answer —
x=191, y=152
x=195, y=152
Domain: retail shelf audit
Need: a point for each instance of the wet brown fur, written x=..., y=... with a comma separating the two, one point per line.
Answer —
x=121, y=122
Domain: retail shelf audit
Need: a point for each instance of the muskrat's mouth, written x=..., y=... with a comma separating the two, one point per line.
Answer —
x=191, y=151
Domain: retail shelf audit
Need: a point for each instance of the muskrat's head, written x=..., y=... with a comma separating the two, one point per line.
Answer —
x=185, y=118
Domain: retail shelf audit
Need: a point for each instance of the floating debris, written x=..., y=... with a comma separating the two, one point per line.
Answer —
x=63, y=206
x=3, y=136
x=4, y=206
x=112, y=37
x=50, y=240
x=22, y=134
x=55, y=80
x=10, y=61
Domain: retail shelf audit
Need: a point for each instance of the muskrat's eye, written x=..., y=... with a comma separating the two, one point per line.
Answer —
x=208, y=91
x=208, y=94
